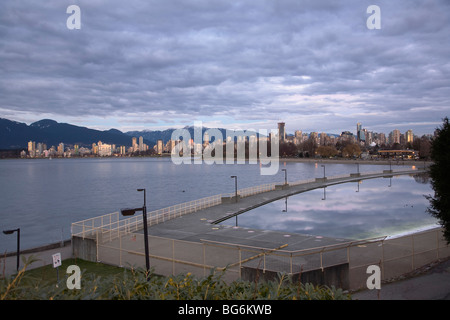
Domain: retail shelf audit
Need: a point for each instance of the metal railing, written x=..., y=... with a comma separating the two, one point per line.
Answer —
x=111, y=226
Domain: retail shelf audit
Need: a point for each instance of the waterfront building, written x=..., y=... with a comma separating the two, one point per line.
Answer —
x=60, y=150
x=394, y=136
x=298, y=137
x=170, y=145
x=360, y=137
x=159, y=147
x=314, y=137
x=409, y=136
x=141, y=143
x=281, y=132
x=31, y=149
x=94, y=148
x=347, y=136
x=104, y=149
x=134, y=144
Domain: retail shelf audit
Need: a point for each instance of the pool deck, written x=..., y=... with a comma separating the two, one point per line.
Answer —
x=202, y=225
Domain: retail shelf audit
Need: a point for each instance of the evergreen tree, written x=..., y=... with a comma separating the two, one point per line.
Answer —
x=440, y=178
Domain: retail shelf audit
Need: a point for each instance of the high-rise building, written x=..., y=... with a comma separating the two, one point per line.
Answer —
x=60, y=149
x=170, y=145
x=32, y=148
x=281, y=132
x=159, y=147
x=134, y=144
x=323, y=139
x=104, y=149
x=360, y=136
x=141, y=144
x=314, y=137
x=396, y=136
x=94, y=148
x=409, y=137
x=298, y=137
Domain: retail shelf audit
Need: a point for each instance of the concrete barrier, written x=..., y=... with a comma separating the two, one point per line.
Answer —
x=337, y=275
x=85, y=249
x=230, y=199
x=282, y=186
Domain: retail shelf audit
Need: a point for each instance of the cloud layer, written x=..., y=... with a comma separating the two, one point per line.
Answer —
x=148, y=64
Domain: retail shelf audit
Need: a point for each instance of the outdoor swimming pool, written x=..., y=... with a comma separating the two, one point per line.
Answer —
x=370, y=208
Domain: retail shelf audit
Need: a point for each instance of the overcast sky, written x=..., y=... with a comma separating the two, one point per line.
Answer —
x=141, y=64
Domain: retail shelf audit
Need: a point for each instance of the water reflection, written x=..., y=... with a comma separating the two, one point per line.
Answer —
x=368, y=208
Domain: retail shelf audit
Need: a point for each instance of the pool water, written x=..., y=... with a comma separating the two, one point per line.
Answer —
x=370, y=208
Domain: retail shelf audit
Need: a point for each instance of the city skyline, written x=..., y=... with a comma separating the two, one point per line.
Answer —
x=159, y=64
x=363, y=138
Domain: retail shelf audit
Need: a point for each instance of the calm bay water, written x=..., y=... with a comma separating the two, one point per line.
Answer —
x=43, y=197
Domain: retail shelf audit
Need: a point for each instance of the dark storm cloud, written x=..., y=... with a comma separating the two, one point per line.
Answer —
x=313, y=64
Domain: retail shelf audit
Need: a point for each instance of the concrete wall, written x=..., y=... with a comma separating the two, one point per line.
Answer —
x=337, y=276
x=85, y=249
x=281, y=186
x=230, y=199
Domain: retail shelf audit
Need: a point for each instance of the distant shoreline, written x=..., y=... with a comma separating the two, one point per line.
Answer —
x=360, y=161
x=281, y=160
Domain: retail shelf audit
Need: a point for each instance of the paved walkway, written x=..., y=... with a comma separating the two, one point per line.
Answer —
x=430, y=283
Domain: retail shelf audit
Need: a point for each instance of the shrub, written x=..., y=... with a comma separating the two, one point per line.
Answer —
x=134, y=286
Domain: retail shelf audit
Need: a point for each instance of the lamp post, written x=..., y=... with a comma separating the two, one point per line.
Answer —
x=285, y=175
x=130, y=212
x=18, y=242
x=235, y=188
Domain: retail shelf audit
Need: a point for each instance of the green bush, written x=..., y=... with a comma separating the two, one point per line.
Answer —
x=133, y=285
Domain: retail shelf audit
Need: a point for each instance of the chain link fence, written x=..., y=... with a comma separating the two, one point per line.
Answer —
x=343, y=264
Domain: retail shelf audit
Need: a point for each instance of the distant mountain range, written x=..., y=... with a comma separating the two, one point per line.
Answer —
x=15, y=135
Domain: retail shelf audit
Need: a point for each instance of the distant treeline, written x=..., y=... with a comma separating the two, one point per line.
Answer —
x=10, y=153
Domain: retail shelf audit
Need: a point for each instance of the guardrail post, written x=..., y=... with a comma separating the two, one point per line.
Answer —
x=120, y=250
x=412, y=245
x=437, y=244
x=382, y=258
x=204, y=259
x=240, y=259
x=173, y=257
x=290, y=262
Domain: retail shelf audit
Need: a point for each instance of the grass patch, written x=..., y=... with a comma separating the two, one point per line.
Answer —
x=48, y=275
